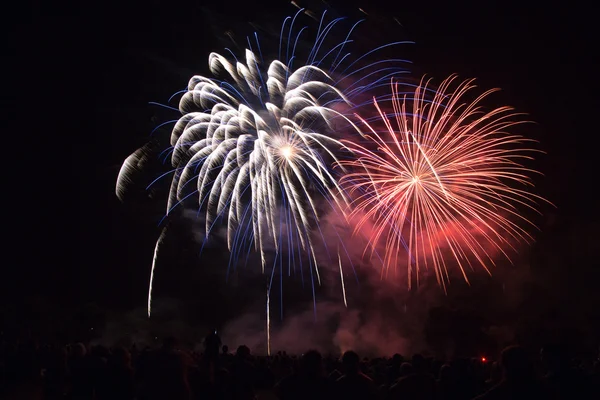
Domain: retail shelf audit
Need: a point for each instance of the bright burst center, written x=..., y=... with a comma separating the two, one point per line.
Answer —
x=287, y=151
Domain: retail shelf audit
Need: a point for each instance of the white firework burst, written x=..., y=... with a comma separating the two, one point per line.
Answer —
x=270, y=155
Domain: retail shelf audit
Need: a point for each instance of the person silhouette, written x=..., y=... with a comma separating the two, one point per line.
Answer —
x=418, y=384
x=212, y=346
x=243, y=374
x=167, y=374
x=518, y=378
x=308, y=382
x=354, y=384
x=561, y=380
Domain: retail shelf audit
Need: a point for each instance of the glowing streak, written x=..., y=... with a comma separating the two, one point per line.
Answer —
x=151, y=280
x=342, y=279
x=268, y=325
x=154, y=258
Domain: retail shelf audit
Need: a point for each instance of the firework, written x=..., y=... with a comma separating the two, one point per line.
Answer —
x=441, y=177
x=255, y=147
x=271, y=156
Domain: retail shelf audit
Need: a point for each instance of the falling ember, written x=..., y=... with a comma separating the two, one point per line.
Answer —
x=152, y=279
x=342, y=279
x=154, y=258
x=268, y=326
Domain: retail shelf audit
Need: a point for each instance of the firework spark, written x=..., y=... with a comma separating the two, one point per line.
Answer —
x=441, y=177
x=342, y=279
x=268, y=322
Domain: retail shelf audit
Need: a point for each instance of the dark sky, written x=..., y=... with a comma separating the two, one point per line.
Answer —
x=84, y=75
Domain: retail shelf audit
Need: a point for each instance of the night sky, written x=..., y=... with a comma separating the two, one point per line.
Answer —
x=78, y=105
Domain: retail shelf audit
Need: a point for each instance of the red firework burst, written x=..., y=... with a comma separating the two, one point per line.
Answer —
x=444, y=181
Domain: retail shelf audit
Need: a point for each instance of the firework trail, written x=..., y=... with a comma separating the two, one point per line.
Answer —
x=342, y=278
x=268, y=322
x=441, y=176
x=255, y=147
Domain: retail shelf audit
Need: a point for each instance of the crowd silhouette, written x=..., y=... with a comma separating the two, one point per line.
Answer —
x=77, y=372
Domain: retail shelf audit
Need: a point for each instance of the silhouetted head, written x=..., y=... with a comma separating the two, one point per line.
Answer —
x=446, y=373
x=121, y=357
x=516, y=364
x=406, y=369
x=496, y=372
x=351, y=362
x=78, y=350
x=225, y=349
x=311, y=363
x=397, y=360
x=243, y=351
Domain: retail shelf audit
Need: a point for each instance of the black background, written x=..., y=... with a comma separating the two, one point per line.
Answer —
x=81, y=76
